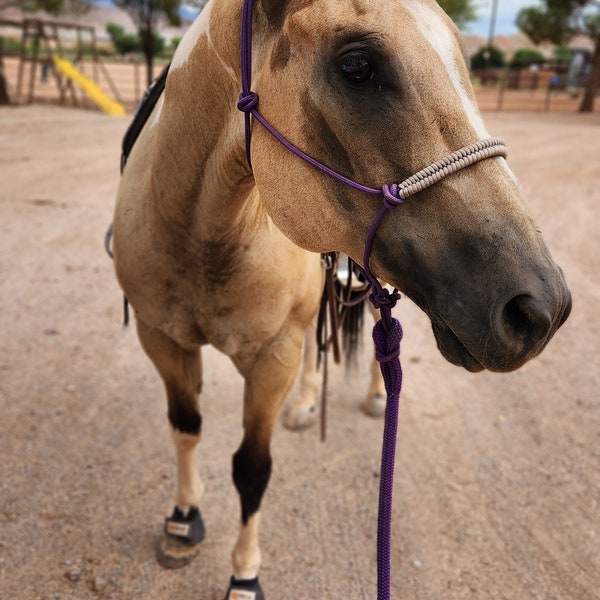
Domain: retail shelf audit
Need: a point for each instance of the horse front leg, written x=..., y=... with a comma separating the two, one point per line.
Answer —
x=269, y=375
x=302, y=411
x=181, y=373
x=375, y=402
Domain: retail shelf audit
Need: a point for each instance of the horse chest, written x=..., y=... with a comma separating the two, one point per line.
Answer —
x=234, y=305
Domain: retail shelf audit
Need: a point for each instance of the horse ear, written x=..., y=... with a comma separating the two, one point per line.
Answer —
x=275, y=10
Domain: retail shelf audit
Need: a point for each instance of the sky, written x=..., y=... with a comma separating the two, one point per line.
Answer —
x=505, y=16
x=506, y=11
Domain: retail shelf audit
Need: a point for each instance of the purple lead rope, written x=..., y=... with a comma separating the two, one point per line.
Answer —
x=387, y=332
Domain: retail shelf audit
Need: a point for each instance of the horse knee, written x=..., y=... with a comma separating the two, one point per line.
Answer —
x=251, y=473
x=183, y=414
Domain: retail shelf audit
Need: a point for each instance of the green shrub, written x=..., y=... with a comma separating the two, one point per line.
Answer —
x=488, y=56
x=525, y=57
x=124, y=43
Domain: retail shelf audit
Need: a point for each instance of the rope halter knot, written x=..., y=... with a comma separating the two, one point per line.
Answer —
x=390, y=195
x=396, y=194
x=247, y=101
x=382, y=297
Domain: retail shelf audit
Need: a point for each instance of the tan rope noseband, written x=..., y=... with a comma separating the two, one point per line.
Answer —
x=451, y=164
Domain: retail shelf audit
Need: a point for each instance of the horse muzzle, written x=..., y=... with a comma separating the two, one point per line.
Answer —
x=517, y=331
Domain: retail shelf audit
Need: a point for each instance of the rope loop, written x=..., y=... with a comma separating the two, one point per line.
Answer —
x=247, y=101
x=382, y=297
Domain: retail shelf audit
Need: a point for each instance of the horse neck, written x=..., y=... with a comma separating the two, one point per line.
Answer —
x=201, y=178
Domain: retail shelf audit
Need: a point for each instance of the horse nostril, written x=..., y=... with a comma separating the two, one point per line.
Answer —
x=526, y=319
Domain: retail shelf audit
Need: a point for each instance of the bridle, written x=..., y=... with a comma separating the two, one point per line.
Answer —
x=387, y=332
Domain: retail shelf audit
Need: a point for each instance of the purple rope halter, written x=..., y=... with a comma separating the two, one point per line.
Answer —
x=387, y=332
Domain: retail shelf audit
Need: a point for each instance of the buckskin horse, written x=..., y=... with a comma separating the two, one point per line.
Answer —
x=210, y=249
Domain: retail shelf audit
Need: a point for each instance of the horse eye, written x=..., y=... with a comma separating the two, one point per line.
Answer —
x=356, y=67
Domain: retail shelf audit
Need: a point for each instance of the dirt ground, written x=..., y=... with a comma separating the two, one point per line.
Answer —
x=497, y=489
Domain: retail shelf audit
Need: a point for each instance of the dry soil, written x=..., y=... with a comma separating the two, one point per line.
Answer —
x=497, y=490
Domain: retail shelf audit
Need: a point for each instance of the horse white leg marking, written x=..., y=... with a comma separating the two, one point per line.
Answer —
x=189, y=485
x=302, y=411
x=437, y=34
x=246, y=553
x=376, y=400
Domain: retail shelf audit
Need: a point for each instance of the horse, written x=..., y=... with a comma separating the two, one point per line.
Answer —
x=303, y=409
x=219, y=227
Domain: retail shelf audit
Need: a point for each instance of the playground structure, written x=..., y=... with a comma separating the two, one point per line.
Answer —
x=43, y=57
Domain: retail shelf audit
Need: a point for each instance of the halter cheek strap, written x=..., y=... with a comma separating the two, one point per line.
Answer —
x=387, y=332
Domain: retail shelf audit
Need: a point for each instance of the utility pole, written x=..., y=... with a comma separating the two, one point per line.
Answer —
x=490, y=40
x=492, y=29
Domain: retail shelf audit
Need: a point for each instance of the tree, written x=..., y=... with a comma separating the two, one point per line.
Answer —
x=562, y=54
x=175, y=42
x=461, y=12
x=53, y=7
x=557, y=21
x=488, y=57
x=147, y=16
x=124, y=43
x=525, y=57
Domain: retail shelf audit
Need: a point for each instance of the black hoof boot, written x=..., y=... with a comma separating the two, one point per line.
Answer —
x=189, y=529
x=179, y=546
x=244, y=589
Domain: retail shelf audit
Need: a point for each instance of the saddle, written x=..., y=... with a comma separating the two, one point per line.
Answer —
x=142, y=112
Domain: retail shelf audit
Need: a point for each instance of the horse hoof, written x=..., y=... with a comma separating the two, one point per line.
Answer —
x=244, y=589
x=375, y=406
x=172, y=553
x=298, y=418
x=179, y=546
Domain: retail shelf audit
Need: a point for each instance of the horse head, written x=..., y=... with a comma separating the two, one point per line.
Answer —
x=377, y=91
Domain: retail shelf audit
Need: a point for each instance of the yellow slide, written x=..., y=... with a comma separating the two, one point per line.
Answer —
x=90, y=87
